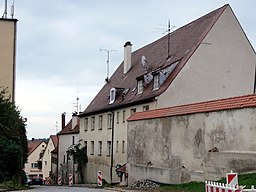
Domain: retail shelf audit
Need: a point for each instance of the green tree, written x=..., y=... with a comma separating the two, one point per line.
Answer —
x=13, y=140
x=80, y=157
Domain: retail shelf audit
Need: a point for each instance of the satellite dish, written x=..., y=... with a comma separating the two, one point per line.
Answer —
x=144, y=62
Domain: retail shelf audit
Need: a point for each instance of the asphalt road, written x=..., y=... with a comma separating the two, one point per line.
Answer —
x=62, y=189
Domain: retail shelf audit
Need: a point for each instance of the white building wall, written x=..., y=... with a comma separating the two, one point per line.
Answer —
x=222, y=66
x=102, y=162
x=46, y=159
x=33, y=158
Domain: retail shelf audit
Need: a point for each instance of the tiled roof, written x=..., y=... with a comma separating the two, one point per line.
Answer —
x=33, y=144
x=68, y=128
x=203, y=107
x=54, y=140
x=183, y=42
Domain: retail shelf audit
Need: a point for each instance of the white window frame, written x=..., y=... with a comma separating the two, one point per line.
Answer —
x=112, y=95
x=109, y=120
x=123, y=146
x=100, y=122
x=108, y=148
x=156, y=83
x=85, y=124
x=92, y=123
x=140, y=86
x=100, y=148
x=92, y=147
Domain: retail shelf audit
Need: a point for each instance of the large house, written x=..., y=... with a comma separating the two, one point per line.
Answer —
x=68, y=136
x=209, y=58
x=36, y=148
x=8, y=55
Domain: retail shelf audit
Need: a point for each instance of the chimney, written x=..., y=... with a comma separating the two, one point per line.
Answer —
x=63, y=120
x=127, y=56
x=74, y=120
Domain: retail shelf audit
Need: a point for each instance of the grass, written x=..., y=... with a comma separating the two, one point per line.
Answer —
x=12, y=186
x=247, y=180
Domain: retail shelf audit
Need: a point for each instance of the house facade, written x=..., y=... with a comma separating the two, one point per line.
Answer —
x=194, y=142
x=8, y=56
x=209, y=58
x=47, y=156
x=67, y=137
x=35, y=148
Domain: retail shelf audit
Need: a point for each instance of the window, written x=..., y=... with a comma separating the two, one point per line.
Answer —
x=156, y=82
x=100, y=148
x=145, y=108
x=116, y=146
x=100, y=122
x=73, y=140
x=133, y=110
x=123, y=146
x=45, y=163
x=140, y=86
x=85, y=124
x=108, y=148
x=124, y=116
x=34, y=165
x=64, y=158
x=92, y=123
x=117, y=117
x=92, y=147
x=112, y=95
x=109, y=121
x=85, y=145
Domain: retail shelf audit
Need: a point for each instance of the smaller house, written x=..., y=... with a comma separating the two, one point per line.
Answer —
x=47, y=156
x=35, y=148
x=54, y=165
x=68, y=136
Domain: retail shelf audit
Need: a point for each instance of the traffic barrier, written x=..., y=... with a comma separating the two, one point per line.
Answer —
x=99, y=179
x=220, y=187
x=70, y=180
x=59, y=180
x=232, y=178
x=47, y=181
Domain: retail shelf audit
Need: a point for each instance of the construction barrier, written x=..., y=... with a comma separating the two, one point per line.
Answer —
x=232, y=178
x=47, y=181
x=99, y=178
x=70, y=180
x=220, y=187
x=59, y=180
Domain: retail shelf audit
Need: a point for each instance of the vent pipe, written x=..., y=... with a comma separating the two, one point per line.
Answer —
x=63, y=115
x=127, y=56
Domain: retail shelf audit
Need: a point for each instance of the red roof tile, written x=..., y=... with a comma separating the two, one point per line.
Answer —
x=54, y=140
x=203, y=107
x=32, y=145
x=183, y=42
x=68, y=128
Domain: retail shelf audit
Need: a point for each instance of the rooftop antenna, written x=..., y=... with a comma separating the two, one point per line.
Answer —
x=169, y=28
x=108, y=55
x=12, y=9
x=5, y=11
x=76, y=104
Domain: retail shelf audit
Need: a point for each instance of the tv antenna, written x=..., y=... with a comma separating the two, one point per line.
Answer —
x=12, y=9
x=108, y=58
x=76, y=104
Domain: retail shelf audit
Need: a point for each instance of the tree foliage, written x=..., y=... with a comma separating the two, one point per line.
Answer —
x=13, y=140
x=80, y=157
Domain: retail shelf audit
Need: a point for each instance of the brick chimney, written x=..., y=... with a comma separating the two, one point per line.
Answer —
x=74, y=120
x=127, y=56
x=63, y=123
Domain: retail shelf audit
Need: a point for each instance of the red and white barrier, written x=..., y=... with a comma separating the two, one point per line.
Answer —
x=99, y=178
x=59, y=180
x=232, y=178
x=220, y=187
x=70, y=183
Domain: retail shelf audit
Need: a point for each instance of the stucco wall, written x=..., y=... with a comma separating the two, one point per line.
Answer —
x=222, y=66
x=178, y=146
x=102, y=162
x=46, y=159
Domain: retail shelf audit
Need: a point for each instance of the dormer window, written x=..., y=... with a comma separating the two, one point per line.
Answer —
x=156, y=84
x=112, y=95
x=140, y=86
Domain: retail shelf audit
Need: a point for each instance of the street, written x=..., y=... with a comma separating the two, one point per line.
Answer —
x=62, y=188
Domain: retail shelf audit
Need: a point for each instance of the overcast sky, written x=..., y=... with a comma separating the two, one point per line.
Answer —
x=58, y=44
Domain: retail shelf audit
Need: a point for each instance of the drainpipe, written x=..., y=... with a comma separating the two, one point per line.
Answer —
x=112, y=149
x=254, y=80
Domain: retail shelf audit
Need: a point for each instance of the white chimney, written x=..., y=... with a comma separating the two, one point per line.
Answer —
x=127, y=56
x=74, y=121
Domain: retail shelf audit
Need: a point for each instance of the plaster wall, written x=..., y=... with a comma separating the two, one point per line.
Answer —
x=179, y=145
x=7, y=55
x=222, y=66
x=102, y=162
x=46, y=159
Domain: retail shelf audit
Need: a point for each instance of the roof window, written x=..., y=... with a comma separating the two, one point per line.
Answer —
x=140, y=86
x=112, y=95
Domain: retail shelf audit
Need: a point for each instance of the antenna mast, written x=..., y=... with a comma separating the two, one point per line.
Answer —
x=76, y=104
x=12, y=9
x=108, y=55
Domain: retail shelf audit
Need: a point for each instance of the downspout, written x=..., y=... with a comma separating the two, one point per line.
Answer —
x=112, y=147
x=254, y=80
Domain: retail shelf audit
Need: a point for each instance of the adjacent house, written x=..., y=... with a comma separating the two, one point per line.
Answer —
x=47, y=156
x=207, y=59
x=35, y=148
x=54, y=165
x=8, y=55
x=68, y=136
x=193, y=142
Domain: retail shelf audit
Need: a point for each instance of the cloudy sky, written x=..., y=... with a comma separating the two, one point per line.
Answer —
x=58, y=44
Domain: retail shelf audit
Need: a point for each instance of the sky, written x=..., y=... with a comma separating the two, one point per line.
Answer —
x=58, y=47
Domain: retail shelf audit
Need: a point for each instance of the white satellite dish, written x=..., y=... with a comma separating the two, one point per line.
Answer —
x=144, y=62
